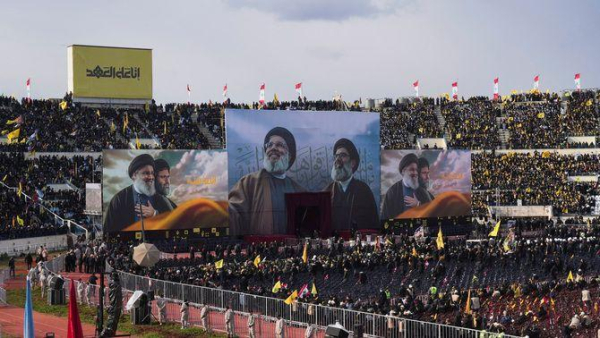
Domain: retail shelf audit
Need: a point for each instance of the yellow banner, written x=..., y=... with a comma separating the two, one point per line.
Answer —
x=109, y=72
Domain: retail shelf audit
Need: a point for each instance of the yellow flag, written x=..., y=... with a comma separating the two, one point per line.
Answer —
x=20, y=190
x=276, y=287
x=541, y=115
x=98, y=112
x=6, y=176
x=20, y=221
x=257, y=261
x=125, y=122
x=589, y=103
x=468, y=306
x=219, y=264
x=138, y=145
x=440, y=239
x=570, y=277
x=305, y=253
x=112, y=127
x=291, y=298
x=13, y=135
x=494, y=232
x=276, y=99
x=12, y=121
x=458, y=136
x=314, y=290
x=414, y=252
x=63, y=105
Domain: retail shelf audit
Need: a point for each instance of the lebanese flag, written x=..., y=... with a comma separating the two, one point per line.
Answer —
x=416, y=87
x=536, y=82
x=261, y=97
x=578, y=81
x=299, y=89
x=496, y=92
x=303, y=291
x=225, y=90
x=455, y=90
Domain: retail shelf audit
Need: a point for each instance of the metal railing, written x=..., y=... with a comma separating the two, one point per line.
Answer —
x=26, y=248
x=59, y=219
x=4, y=276
x=3, y=296
x=299, y=314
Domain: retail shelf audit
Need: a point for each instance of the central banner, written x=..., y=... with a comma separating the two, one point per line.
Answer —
x=272, y=154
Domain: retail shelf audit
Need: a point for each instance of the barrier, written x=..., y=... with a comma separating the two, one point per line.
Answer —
x=2, y=296
x=297, y=316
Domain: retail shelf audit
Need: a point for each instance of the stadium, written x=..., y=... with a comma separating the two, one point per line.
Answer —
x=443, y=215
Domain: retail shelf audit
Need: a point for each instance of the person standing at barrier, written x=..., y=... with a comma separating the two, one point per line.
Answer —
x=11, y=266
x=185, y=314
x=204, y=317
x=80, y=291
x=279, y=327
x=251, y=326
x=43, y=277
x=229, y=321
x=161, y=304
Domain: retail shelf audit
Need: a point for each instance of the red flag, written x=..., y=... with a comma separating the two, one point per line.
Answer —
x=74, y=329
x=225, y=90
x=416, y=87
x=28, y=83
x=299, y=89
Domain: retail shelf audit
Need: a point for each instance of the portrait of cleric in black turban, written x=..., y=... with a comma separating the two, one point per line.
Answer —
x=139, y=199
x=257, y=200
x=352, y=202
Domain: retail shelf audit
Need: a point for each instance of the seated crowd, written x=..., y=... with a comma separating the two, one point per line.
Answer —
x=514, y=284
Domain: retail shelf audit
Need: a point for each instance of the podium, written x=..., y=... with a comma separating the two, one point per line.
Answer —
x=56, y=297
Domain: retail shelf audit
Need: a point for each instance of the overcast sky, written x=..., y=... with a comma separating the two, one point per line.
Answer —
x=359, y=48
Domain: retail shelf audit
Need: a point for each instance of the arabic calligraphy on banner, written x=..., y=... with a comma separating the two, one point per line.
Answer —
x=312, y=168
x=114, y=73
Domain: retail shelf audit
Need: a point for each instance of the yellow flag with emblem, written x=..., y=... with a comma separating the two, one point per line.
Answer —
x=20, y=190
x=219, y=264
x=570, y=277
x=257, y=261
x=138, y=145
x=291, y=298
x=305, y=253
x=276, y=287
x=63, y=105
x=494, y=232
x=13, y=135
x=314, y=290
x=20, y=221
x=440, y=240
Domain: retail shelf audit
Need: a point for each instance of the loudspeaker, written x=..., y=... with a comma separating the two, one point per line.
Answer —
x=336, y=332
x=56, y=283
x=139, y=315
x=150, y=295
x=56, y=297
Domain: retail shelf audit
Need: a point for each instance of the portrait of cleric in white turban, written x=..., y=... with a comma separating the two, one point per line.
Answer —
x=275, y=154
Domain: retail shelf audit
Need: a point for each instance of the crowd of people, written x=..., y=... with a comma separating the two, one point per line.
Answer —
x=532, y=281
x=535, y=179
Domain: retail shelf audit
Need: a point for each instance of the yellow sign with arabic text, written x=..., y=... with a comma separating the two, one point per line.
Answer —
x=110, y=72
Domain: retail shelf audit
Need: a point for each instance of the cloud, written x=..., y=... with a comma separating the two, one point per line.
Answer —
x=322, y=10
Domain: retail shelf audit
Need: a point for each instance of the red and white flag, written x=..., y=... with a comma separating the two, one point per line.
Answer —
x=189, y=93
x=416, y=87
x=496, y=91
x=28, y=89
x=261, y=97
x=225, y=90
x=455, y=90
x=578, y=81
x=536, y=82
x=299, y=89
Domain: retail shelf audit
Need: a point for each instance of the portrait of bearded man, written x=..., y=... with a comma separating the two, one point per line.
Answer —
x=257, y=200
x=137, y=200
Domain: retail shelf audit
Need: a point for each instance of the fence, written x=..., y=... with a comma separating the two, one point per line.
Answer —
x=26, y=248
x=4, y=275
x=266, y=310
x=3, y=296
